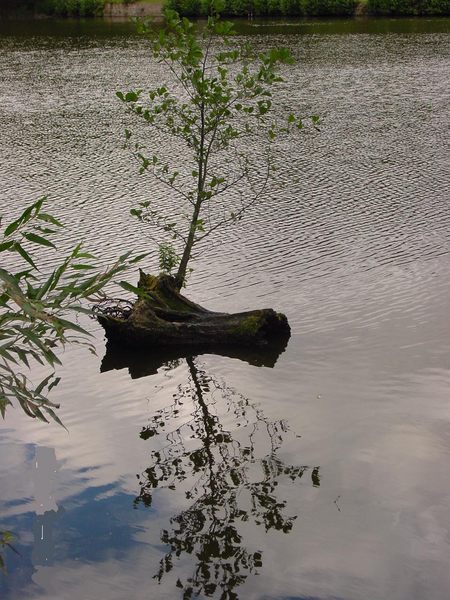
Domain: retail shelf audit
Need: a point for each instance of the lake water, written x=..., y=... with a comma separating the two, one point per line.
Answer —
x=324, y=476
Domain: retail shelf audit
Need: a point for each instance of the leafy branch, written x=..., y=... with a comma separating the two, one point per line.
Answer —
x=221, y=103
x=38, y=314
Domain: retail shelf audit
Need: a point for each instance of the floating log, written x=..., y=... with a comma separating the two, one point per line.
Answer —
x=163, y=317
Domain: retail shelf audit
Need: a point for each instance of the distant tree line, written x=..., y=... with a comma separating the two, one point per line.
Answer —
x=245, y=8
x=72, y=8
x=60, y=8
x=312, y=8
x=409, y=7
x=265, y=8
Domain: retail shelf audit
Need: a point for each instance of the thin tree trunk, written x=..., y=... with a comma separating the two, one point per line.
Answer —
x=182, y=269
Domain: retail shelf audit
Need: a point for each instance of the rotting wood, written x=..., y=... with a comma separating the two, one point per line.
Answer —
x=162, y=316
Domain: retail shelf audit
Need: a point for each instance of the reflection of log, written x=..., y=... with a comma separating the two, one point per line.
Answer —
x=163, y=317
x=141, y=364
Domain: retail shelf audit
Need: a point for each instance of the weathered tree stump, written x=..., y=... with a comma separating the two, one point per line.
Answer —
x=164, y=317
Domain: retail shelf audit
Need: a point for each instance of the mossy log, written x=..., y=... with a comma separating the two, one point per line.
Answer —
x=164, y=317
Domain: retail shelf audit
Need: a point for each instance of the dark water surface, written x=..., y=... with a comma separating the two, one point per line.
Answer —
x=322, y=477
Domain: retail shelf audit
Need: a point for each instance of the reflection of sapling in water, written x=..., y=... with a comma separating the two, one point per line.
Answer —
x=229, y=474
x=6, y=541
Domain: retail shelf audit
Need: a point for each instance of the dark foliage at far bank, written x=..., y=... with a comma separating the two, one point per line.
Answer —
x=242, y=8
x=72, y=8
x=409, y=7
x=312, y=8
x=263, y=8
x=57, y=8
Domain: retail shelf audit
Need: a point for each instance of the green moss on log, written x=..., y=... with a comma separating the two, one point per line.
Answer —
x=249, y=325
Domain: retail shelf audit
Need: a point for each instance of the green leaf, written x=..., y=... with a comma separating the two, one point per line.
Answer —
x=6, y=245
x=11, y=281
x=131, y=288
x=43, y=383
x=138, y=258
x=4, y=402
x=82, y=267
x=49, y=219
x=12, y=227
x=4, y=351
x=54, y=383
x=76, y=251
x=27, y=214
x=44, y=230
x=131, y=97
x=124, y=257
x=45, y=287
x=70, y=325
x=37, y=412
x=37, y=239
x=49, y=356
x=24, y=254
x=23, y=356
x=54, y=416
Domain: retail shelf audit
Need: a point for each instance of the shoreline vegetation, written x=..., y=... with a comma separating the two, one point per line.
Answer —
x=231, y=8
x=315, y=8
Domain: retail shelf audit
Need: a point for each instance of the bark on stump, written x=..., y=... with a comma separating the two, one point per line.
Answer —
x=164, y=317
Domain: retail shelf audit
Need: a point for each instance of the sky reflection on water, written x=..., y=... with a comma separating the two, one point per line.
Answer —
x=211, y=445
